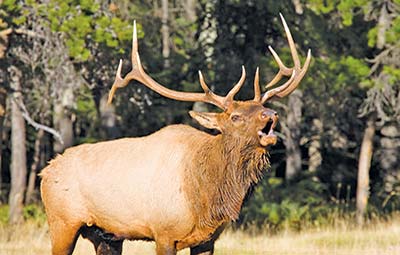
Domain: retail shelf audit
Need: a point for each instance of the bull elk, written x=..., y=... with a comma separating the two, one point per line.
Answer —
x=178, y=186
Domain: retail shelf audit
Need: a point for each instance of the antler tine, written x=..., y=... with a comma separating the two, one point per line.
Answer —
x=257, y=90
x=283, y=70
x=217, y=100
x=118, y=83
x=203, y=83
x=270, y=93
x=236, y=88
x=296, y=73
x=292, y=46
x=298, y=78
x=135, y=46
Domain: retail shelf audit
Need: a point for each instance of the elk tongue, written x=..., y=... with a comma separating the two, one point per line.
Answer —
x=269, y=139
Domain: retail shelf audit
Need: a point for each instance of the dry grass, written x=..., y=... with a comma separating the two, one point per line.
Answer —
x=379, y=238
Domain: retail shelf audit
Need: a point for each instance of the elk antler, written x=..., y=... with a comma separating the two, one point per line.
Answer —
x=137, y=73
x=295, y=73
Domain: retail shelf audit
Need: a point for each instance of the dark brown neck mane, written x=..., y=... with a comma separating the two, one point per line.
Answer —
x=220, y=177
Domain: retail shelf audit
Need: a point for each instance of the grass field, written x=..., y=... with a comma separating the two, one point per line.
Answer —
x=377, y=239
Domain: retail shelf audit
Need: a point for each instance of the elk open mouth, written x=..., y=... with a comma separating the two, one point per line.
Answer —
x=267, y=135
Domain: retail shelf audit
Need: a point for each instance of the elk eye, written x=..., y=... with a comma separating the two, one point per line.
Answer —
x=236, y=118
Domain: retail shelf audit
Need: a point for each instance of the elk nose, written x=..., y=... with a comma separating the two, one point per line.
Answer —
x=274, y=115
x=275, y=119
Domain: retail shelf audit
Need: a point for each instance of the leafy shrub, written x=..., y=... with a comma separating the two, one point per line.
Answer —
x=32, y=212
x=303, y=202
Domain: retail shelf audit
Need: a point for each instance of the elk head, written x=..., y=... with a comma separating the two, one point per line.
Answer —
x=238, y=118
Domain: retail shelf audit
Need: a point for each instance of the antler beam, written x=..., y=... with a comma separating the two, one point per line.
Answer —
x=137, y=73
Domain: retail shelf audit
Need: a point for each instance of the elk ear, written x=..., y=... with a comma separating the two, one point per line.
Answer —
x=206, y=119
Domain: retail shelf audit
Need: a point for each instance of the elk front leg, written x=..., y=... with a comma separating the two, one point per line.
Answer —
x=165, y=248
x=203, y=249
x=109, y=248
x=207, y=248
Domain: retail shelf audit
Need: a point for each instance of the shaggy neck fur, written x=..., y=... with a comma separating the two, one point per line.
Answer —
x=223, y=171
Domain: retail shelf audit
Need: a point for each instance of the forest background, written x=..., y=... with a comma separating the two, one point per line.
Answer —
x=338, y=156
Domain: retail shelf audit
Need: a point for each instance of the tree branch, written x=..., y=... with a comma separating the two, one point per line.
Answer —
x=5, y=32
x=20, y=31
x=36, y=125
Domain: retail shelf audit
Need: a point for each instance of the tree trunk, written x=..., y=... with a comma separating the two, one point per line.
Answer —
x=384, y=22
x=108, y=119
x=18, y=151
x=165, y=33
x=314, y=151
x=298, y=7
x=63, y=121
x=389, y=159
x=3, y=97
x=190, y=10
x=364, y=165
x=292, y=135
x=30, y=198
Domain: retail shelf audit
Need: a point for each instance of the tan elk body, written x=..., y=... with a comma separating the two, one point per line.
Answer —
x=177, y=186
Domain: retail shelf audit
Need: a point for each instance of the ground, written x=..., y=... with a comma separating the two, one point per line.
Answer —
x=379, y=238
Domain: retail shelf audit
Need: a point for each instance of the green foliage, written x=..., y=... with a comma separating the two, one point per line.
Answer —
x=4, y=209
x=10, y=5
x=345, y=8
x=85, y=104
x=32, y=212
x=393, y=33
x=393, y=73
x=19, y=20
x=343, y=72
x=356, y=67
x=372, y=36
x=82, y=21
x=278, y=205
x=321, y=6
x=82, y=24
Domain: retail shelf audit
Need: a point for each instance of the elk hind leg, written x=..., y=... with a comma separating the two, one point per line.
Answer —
x=63, y=237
